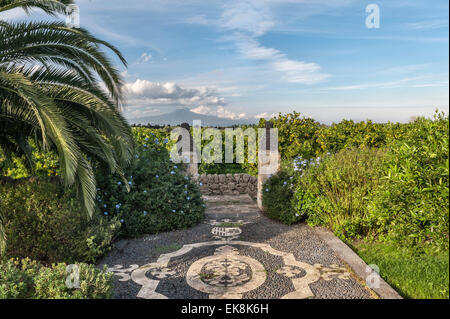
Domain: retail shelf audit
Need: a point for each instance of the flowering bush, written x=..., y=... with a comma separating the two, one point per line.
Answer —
x=300, y=164
x=277, y=197
x=155, y=194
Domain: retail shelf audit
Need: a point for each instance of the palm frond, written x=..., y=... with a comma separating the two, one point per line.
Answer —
x=59, y=88
x=50, y=7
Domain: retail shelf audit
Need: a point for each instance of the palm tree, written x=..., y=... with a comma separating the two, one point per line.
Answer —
x=59, y=89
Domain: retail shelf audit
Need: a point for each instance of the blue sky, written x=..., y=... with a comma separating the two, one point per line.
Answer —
x=250, y=58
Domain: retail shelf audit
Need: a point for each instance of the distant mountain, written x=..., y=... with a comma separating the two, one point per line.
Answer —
x=186, y=116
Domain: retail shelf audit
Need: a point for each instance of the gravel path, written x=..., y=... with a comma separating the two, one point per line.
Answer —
x=235, y=253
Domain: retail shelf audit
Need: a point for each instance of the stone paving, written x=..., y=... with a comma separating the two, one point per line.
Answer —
x=235, y=253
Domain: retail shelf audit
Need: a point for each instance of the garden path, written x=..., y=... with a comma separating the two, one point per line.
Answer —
x=235, y=253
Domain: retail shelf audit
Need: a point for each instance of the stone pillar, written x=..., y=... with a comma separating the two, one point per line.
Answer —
x=192, y=166
x=268, y=163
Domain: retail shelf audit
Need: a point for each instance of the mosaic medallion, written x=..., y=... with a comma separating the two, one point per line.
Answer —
x=226, y=274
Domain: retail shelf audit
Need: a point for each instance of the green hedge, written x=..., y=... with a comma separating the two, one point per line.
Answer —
x=305, y=137
x=45, y=223
x=27, y=279
x=412, y=205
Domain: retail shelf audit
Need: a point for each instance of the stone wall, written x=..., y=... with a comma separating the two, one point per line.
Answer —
x=228, y=184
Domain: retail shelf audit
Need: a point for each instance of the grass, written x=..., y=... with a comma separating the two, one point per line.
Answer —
x=413, y=275
x=167, y=248
x=224, y=168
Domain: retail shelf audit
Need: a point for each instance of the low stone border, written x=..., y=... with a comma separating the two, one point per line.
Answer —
x=346, y=254
x=228, y=184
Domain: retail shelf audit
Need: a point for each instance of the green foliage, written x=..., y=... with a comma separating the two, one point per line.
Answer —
x=16, y=278
x=336, y=191
x=93, y=283
x=398, y=193
x=413, y=275
x=160, y=197
x=240, y=161
x=412, y=205
x=224, y=168
x=60, y=89
x=45, y=163
x=348, y=134
x=297, y=135
x=167, y=248
x=47, y=224
x=278, y=192
x=307, y=138
x=25, y=279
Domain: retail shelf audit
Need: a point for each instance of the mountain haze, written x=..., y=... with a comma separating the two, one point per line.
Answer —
x=185, y=115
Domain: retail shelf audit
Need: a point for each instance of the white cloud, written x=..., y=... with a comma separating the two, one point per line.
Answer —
x=252, y=49
x=146, y=98
x=250, y=16
x=293, y=71
x=299, y=71
x=386, y=85
x=145, y=57
x=13, y=14
x=134, y=112
x=250, y=19
x=265, y=115
x=219, y=111
x=169, y=93
x=409, y=68
x=198, y=19
x=428, y=25
x=434, y=84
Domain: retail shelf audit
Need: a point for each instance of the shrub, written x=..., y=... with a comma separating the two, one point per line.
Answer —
x=16, y=278
x=297, y=135
x=411, y=206
x=277, y=196
x=160, y=196
x=336, y=192
x=93, y=283
x=44, y=164
x=348, y=134
x=24, y=278
x=305, y=137
x=45, y=223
